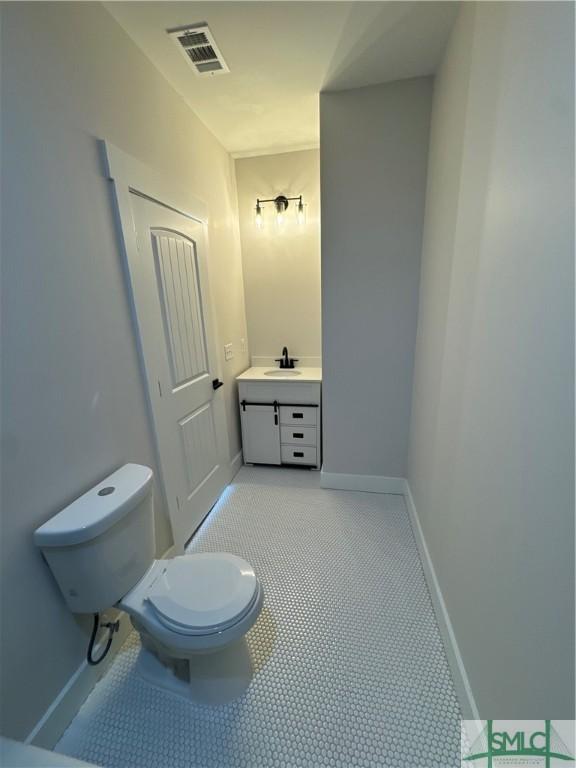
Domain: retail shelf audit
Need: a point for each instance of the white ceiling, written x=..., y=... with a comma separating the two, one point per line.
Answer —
x=282, y=54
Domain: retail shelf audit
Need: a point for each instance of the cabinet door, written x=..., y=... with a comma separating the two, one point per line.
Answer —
x=260, y=434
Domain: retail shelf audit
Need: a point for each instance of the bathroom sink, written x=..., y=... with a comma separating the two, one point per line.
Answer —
x=281, y=372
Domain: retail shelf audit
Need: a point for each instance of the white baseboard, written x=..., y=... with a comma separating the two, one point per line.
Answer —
x=170, y=552
x=61, y=712
x=370, y=483
x=235, y=465
x=461, y=682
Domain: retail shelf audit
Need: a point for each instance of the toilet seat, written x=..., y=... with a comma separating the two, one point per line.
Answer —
x=203, y=594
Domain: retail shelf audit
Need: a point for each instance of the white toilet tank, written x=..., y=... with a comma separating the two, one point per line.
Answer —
x=101, y=545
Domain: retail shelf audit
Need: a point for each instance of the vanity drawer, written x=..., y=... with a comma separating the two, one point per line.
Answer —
x=298, y=454
x=298, y=435
x=298, y=415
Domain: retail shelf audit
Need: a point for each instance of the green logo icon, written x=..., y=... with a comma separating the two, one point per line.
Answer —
x=542, y=742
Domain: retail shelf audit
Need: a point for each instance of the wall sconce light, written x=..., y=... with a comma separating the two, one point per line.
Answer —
x=301, y=218
x=259, y=221
x=281, y=203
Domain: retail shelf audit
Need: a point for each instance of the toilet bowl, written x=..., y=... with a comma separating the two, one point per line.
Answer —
x=196, y=608
x=195, y=603
x=192, y=611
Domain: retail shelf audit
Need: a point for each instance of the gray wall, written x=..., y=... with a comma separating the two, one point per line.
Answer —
x=491, y=446
x=73, y=405
x=373, y=154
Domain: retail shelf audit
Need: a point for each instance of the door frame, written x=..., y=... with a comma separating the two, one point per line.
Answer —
x=128, y=177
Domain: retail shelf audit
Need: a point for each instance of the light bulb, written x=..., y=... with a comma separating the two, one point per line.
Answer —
x=281, y=204
x=301, y=217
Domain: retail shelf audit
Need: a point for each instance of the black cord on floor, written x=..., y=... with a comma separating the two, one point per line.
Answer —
x=112, y=627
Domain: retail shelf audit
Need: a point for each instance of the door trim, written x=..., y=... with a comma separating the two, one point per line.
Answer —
x=129, y=176
x=128, y=172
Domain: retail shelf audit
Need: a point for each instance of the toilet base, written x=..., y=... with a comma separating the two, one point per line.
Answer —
x=212, y=678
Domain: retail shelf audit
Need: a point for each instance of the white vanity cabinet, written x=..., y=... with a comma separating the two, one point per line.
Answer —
x=281, y=419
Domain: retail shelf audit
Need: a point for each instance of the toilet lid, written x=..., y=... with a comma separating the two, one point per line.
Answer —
x=200, y=594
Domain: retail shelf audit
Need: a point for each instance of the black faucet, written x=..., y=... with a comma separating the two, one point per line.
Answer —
x=285, y=361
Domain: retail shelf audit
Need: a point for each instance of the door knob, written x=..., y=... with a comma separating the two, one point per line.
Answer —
x=216, y=383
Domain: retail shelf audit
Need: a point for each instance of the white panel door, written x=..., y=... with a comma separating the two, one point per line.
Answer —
x=169, y=282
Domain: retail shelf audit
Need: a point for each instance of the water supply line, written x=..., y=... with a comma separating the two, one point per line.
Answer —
x=112, y=627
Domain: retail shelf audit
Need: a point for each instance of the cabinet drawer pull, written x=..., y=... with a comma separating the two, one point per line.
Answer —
x=297, y=415
x=298, y=434
x=298, y=454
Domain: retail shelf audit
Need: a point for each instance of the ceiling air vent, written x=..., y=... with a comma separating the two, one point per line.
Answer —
x=197, y=44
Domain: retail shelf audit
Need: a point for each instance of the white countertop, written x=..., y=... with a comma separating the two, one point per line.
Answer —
x=306, y=375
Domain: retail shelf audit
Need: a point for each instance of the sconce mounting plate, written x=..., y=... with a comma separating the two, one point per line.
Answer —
x=281, y=202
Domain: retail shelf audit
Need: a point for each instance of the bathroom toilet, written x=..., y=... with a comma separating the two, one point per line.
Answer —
x=192, y=611
x=196, y=609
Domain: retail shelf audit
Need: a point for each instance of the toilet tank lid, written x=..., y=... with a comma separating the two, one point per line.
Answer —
x=98, y=509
